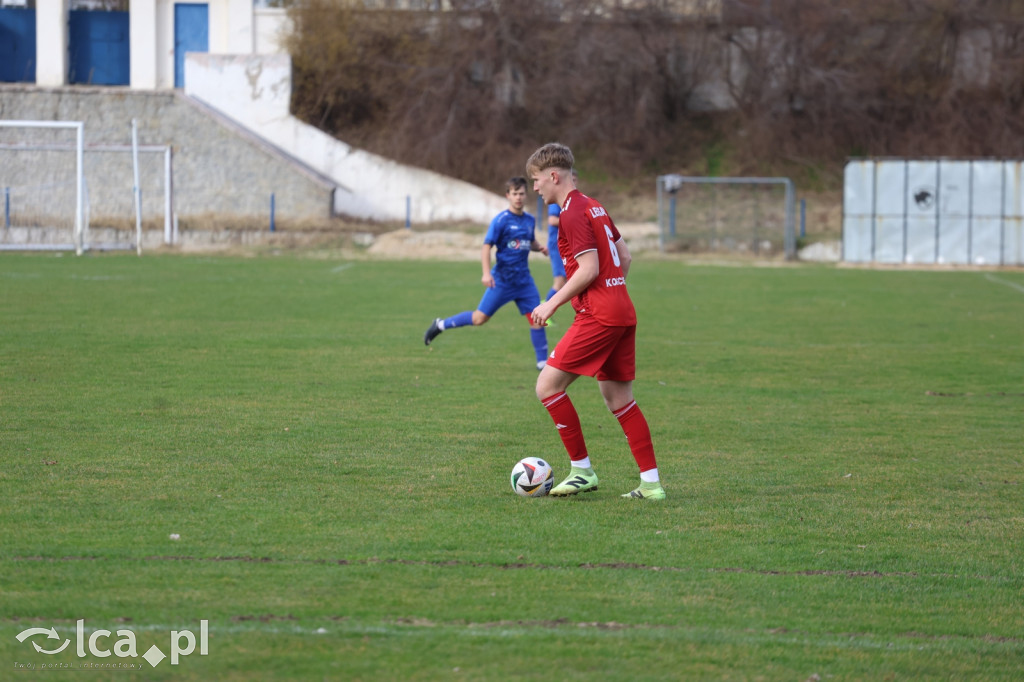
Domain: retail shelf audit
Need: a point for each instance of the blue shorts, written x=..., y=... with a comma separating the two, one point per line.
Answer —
x=557, y=266
x=525, y=295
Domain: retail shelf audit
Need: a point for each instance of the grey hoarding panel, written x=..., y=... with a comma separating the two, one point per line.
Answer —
x=1013, y=204
x=920, y=245
x=890, y=181
x=858, y=210
x=987, y=185
x=934, y=211
x=953, y=240
x=922, y=211
x=954, y=188
x=986, y=241
x=954, y=211
x=859, y=188
x=889, y=239
x=1013, y=213
x=857, y=238
x=922, y=189
x=986, y=213
x=890, y=210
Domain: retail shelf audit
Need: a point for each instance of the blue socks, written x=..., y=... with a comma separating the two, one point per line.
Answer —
x=539, y=337
x=463, y=319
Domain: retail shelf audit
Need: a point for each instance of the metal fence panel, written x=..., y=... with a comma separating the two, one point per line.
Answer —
x=858, y=211
x=1013, y=213
x=987, y=214
x=933, y=211
x=922, y=208
x=954, y=200
x=890, y=211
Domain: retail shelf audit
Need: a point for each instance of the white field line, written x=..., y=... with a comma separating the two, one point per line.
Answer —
x=826, y=640
x=1013, y=285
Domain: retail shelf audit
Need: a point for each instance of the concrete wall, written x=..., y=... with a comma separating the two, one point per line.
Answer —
x=245, y=81
x=271, y=28
x=220, y=169
x=255, y=91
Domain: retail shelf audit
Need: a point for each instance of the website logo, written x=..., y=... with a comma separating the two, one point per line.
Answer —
x=102, y=644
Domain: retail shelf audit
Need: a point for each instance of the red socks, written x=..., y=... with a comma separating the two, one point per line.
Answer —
x=631, y=419
x=638, y=434
x=567, y=421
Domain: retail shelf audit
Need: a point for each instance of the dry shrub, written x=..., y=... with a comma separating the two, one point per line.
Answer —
x=472, y=91
x=830, y=79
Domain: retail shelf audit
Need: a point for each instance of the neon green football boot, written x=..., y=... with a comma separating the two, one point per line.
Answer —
x=647, y=491
x=578, y=481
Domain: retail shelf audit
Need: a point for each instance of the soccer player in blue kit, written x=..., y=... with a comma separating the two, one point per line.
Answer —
x=557, y=266
x=511, y=234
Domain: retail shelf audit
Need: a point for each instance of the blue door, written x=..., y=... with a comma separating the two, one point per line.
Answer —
x=99, y=49
x=191, y=34
x=17, y=45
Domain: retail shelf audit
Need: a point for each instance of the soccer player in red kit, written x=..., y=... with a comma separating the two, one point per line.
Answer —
x=601, y=341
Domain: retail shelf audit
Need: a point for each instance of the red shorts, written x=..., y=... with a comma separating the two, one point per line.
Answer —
x=594, y=350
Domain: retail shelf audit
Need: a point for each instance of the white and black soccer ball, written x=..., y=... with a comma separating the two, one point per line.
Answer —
x=532, y=477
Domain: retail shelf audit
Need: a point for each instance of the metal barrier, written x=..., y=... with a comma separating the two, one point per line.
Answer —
x=933, y=211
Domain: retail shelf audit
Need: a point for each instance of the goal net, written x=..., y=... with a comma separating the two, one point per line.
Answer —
x=59, y=193
x=736, y=215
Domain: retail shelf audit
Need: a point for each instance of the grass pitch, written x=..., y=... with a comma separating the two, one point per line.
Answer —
x=842, y=451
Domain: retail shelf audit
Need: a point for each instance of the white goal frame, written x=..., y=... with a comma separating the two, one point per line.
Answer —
x=670, y=185
x=81, y=238
x=170, y=235
x=79, y=128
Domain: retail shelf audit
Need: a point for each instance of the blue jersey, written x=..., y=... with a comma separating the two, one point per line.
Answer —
x=554, y=210
x=512, y=235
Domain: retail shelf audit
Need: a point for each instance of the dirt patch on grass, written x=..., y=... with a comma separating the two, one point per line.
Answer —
x=465, y=244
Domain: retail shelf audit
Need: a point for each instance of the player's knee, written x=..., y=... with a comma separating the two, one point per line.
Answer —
x=616, y=394
x=543, y=389
x=551, y=381
x=479, y=318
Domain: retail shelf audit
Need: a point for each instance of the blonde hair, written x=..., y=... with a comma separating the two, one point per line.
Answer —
x=551, y=155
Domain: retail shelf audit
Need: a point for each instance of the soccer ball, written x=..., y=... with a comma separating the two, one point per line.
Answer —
x=532, y=477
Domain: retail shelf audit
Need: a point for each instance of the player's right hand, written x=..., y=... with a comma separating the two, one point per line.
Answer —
x=542, y=313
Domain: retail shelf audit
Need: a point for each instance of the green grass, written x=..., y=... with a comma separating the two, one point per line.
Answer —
x=842, y=451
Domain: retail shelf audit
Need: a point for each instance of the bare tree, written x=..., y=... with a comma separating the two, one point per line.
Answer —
x=472, y=89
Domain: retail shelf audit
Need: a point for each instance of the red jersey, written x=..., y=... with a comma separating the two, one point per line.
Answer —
x=583, y=226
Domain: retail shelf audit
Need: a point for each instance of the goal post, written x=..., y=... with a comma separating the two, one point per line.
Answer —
x=753, y=215
x=13, y=173
x=118, y=190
